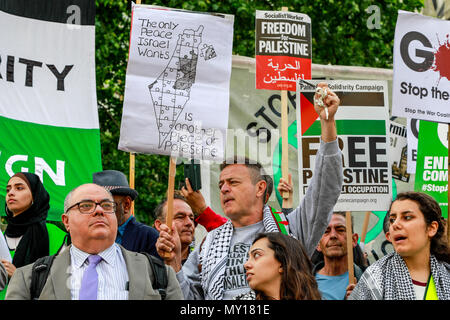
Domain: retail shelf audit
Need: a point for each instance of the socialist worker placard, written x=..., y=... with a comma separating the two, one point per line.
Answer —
x=283, y=49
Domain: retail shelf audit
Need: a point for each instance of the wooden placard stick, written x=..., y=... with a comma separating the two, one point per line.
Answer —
x=348, y=226
x=170, y=191
x=132, y=174
x=284, y=139
x=284, y=143
x=365, y=226
x=132, y=160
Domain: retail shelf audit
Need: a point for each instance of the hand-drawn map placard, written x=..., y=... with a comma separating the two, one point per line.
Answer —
x=177, y=84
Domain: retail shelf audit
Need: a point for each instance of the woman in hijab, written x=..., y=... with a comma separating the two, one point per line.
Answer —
x=27, y=233
x=419, y=267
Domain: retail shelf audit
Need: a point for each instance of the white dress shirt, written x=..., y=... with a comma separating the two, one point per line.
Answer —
x=112, y=273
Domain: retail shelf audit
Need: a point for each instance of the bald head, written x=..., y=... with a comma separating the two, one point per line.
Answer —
x=67, y=200
x=90, y=232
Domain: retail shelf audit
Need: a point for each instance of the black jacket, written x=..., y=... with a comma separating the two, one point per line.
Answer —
x=139, y=237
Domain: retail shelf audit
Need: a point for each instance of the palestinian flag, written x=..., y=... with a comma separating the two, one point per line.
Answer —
x=48, y=105
x=362, y=125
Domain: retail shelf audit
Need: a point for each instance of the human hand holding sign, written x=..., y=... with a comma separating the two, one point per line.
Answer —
x=286, y=186
x=168, y=247
x=326, y=103
x=10, y=268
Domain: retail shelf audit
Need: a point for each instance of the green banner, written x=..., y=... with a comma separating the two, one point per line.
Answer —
x=432, y=162
x=68, y=161
x=48, y=102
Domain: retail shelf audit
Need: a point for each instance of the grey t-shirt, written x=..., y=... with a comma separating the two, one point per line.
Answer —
x=307, y=223
x=235, y=281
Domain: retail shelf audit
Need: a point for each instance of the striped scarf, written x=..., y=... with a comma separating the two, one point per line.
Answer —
x=389, y=279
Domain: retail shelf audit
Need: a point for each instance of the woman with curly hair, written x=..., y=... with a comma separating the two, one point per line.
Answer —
x=278, y=268
x=419, y=267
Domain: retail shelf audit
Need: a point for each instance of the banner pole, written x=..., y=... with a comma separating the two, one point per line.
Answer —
x=365, y=226
x=348, y=226
x=132, y=159
x=284, y=143
x=170, y=191
x=132, y=174
x=284, y=140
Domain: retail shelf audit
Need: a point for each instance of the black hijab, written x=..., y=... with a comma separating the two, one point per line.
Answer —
x=31, y=224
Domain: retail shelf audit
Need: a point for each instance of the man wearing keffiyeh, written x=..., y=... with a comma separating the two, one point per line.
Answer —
x=215, y=270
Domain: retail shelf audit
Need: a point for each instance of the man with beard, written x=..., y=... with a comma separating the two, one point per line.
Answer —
x=332, y=273
x=131, y=234
x=183, y=223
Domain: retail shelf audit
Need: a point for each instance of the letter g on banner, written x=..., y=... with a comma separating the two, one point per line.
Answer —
x=419, y=53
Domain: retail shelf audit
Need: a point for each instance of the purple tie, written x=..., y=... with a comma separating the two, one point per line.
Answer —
x=89, y=283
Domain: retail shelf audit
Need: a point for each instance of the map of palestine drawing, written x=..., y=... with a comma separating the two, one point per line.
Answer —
x=172, y=88
x=177, y=89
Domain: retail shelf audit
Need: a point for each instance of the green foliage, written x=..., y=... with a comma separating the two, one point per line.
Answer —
x=340, y=37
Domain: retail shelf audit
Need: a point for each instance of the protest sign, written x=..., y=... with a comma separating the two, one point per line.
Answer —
x=362, y=126
x=283, y=49
x=412, y=134
x=421, y=84
x=432, y=162
x=177, y=84
x=398, y=151
x=283, y=55
x=4, y=249
x=48, y=104
x=255, y=119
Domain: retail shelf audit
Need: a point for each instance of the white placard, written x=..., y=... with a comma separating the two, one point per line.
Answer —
x=398, y=151
x=362, y=124
x=177, y=84
x=4, y=250
x=412, y=133
x=421, y=84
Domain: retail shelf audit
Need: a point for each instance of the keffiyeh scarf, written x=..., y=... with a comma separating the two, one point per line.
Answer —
x=389, y=279
x=214, y=254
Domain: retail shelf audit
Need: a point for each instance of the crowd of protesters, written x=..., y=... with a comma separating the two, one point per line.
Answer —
x=252, y=252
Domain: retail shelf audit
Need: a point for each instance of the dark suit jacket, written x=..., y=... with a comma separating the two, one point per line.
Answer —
x=57, y=288
x=139, y=237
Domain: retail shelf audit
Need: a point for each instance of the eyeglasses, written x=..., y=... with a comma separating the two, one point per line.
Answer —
x=88, y=206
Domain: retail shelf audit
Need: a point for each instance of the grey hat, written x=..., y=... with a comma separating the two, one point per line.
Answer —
x=114, y=181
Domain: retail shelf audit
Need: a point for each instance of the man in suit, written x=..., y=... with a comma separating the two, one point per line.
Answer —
x=132, y=235
x=94, y=266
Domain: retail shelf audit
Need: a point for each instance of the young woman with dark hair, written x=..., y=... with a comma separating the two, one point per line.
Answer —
x=419, y=268
x=278, y=268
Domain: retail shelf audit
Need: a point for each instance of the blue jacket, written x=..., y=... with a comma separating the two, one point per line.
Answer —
x=139, y=237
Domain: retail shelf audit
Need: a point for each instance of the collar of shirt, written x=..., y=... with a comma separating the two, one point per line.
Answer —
x=80, y=257
x=121, y=229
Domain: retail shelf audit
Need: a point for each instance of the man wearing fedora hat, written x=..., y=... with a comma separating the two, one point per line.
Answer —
x=131, y=234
